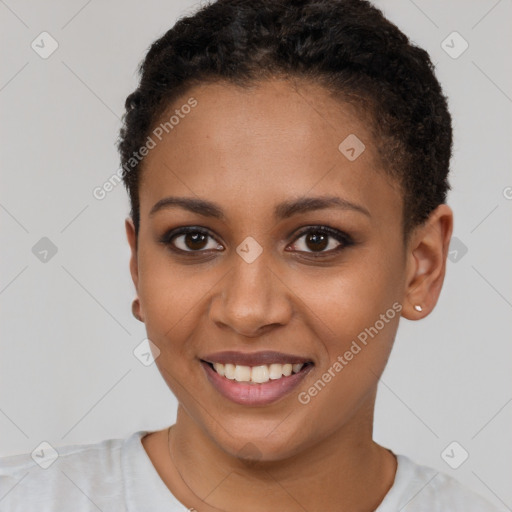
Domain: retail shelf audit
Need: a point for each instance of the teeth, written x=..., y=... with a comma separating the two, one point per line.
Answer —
x=276, y=371
x=229, y=371
x=219, y=368
x=260, y=374
x=256, y=374
x=242, y=373
x=297, y=367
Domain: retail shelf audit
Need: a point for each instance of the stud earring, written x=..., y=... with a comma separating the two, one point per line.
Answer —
x=417, y=307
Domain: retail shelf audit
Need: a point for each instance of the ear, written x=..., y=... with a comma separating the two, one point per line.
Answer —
x=132, y=240
x=427, y=252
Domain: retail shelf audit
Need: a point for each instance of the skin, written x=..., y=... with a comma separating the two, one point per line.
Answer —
x=247, y=151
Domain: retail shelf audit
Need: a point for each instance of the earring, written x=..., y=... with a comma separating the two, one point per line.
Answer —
x=417, y=307
x=134, y=309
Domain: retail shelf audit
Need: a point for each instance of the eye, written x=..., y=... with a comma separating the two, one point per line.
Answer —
x=316, y=239
x=190, y=239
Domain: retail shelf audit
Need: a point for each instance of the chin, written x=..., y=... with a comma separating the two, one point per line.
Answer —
x=261, y=441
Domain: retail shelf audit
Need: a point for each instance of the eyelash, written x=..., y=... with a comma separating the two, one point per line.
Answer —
x=344, y=239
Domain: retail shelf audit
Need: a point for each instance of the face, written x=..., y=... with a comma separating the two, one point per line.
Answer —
x=255, y=275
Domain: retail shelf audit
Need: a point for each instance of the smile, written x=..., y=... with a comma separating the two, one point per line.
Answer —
x=255, y=379
x=256, y=374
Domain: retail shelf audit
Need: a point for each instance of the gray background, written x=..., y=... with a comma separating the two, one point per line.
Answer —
x=67, y=369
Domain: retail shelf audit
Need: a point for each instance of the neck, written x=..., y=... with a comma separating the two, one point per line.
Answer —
x=346, y=471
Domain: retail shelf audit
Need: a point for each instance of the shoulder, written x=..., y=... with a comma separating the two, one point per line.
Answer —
x=419, y=488
x=73, y=477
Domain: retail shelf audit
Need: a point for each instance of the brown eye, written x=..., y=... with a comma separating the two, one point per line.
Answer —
x=318, y=239
x=195, y=241
x=191, y=240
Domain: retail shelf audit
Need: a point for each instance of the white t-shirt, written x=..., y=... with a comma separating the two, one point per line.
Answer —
x=117, y=475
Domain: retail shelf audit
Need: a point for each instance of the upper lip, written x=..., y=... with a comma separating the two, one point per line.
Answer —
x=254, y=358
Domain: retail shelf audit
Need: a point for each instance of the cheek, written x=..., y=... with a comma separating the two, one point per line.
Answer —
x=169, y=292
x=357, y=310
x=169, y=299
x=356, y=320
x=348, y=299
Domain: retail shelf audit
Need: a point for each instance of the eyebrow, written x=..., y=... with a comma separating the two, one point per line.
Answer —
x=282, y=211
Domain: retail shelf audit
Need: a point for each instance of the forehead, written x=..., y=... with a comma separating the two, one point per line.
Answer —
x=272, y=141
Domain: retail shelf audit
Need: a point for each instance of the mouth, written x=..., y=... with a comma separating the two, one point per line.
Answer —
x=255, y=379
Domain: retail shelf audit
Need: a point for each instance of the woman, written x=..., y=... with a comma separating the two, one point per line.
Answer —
x=287, y=166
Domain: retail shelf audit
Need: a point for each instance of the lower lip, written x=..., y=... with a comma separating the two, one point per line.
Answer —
x=245, y=393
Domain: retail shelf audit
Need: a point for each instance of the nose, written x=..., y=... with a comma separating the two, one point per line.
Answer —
x=252, y=299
